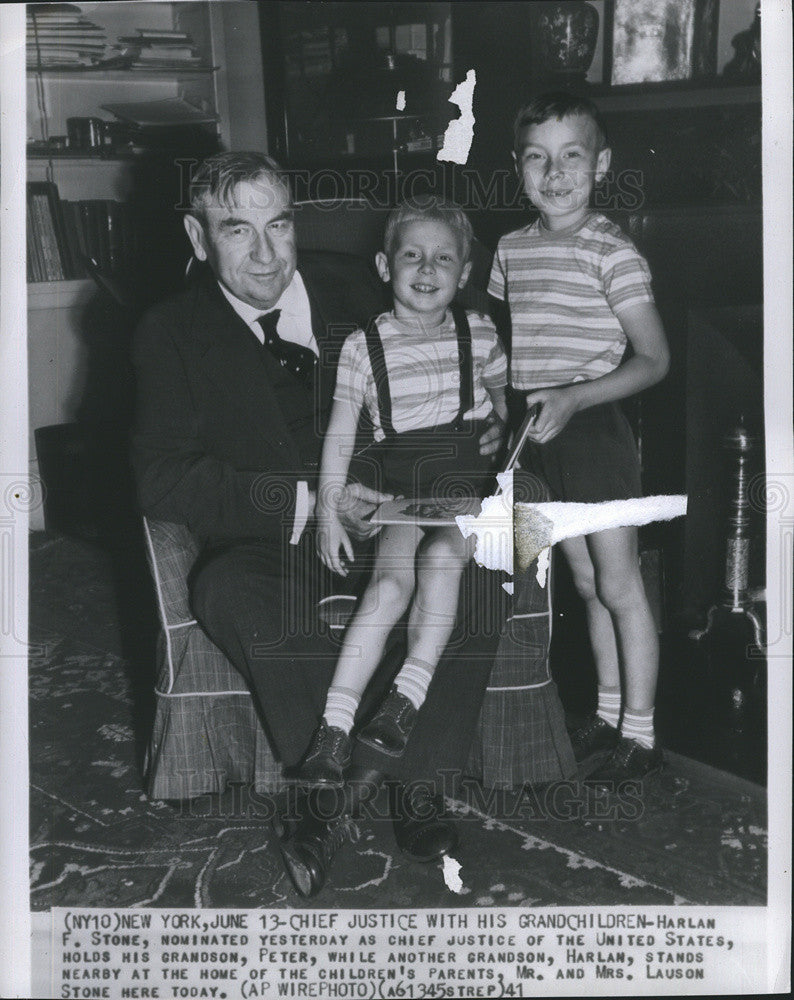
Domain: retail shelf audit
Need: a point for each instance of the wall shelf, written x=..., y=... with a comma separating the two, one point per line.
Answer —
x=80, y=159
x=120, y=75
x=59, y=294
x=670, y=97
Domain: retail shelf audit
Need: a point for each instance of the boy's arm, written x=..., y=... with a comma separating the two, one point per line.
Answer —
x=355, y=503
x=498, y=309
x=647, y=366
x=338, y=444
x=337, y=451
x=494, y=378
x=499, y=400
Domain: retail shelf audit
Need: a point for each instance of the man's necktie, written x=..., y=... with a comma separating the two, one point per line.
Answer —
x=298, y=360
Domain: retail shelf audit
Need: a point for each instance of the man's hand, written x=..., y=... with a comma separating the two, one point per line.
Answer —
x=356, y=504
x=491, y=438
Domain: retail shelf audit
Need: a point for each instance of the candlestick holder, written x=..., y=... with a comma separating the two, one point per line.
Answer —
x=737, y=596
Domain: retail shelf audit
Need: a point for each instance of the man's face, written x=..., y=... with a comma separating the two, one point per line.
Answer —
x=250, y=244
x=559, y=162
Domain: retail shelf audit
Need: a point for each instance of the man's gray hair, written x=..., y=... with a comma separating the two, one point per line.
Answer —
x=429, y=208
x=215, y=180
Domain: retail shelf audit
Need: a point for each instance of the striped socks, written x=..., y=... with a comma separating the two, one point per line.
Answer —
x=413, y=681
x=340, y=707
x=638, y=726
x=609, y=705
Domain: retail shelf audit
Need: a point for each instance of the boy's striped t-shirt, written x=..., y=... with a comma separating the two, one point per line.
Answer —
x=423, y=369
x=565, y=291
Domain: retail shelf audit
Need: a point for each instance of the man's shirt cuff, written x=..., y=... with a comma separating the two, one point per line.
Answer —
x=301, y=511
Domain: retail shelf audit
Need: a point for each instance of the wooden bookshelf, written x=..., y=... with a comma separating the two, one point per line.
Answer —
x=222, y=34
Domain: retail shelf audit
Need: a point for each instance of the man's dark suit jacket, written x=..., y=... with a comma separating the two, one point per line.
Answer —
x=211, y=448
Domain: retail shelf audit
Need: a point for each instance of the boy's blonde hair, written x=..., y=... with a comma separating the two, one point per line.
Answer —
x=557, y=104
x=429, y=208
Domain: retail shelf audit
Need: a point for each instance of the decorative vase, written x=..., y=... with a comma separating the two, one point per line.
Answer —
x=745, y=67
x=567, y=35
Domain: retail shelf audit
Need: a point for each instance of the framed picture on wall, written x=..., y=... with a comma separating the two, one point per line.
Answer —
x=651, y=42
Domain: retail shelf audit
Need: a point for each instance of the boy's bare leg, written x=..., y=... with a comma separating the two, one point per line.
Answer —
x=600, y=625
x=440, y=562
x=625, y=647
x=383, y=604
x=620, y=589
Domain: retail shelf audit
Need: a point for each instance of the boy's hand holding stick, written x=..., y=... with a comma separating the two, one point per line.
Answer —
x=520, y=440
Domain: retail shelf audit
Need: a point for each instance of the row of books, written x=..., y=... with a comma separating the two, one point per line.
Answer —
x=159, y=49
x=62, y=234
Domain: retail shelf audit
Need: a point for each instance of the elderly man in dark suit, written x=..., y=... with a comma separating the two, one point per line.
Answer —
x=235, y=377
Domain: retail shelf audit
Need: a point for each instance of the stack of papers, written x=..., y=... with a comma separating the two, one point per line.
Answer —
x=160, y=49
x=59, y=37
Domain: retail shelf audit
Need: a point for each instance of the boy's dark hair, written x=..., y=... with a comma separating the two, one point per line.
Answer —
x=429, y=208
x=216, y=178
x=557, y=104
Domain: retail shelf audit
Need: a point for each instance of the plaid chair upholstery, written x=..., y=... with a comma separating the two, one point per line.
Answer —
x=206, y=730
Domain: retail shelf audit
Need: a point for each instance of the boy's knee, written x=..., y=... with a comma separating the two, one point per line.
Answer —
x=585, y=585
x=440, y=551
x=392, y=585
x=617, y=593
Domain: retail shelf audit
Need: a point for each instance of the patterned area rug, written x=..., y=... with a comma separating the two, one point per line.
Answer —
x=96, y=840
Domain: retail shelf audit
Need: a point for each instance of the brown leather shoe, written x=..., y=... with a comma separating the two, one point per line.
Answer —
x=391, y=726
x=327, y=757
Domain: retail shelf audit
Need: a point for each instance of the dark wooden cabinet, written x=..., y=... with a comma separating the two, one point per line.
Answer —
x=356, y=87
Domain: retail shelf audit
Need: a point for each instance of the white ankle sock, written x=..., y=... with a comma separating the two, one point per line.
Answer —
x=609, y=705
x=413, y=681
x=340, y=707
x=639, y=726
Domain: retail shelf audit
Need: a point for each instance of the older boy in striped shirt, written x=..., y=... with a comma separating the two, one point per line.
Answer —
x=579, y=293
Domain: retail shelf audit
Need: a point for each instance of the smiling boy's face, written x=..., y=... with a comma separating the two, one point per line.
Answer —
x=426, y=267
x=559, y=162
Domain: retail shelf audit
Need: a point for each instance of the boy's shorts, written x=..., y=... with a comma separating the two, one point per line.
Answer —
x=594, y=458
x=434, y=462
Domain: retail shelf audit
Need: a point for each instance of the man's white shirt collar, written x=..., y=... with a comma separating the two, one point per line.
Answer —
x=295, y=321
